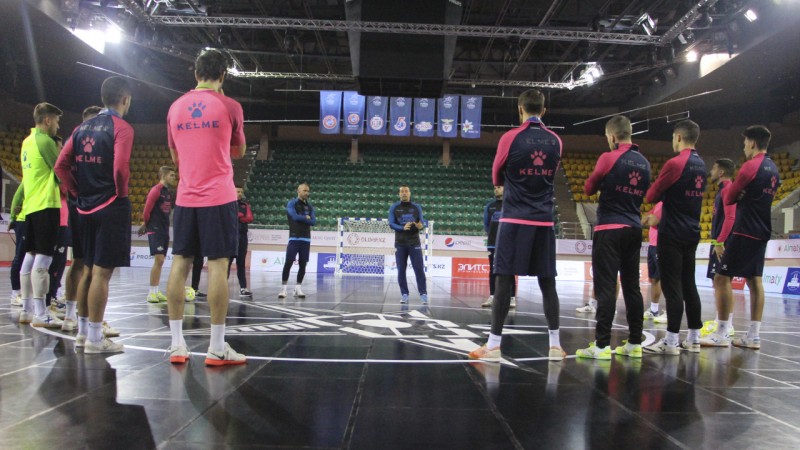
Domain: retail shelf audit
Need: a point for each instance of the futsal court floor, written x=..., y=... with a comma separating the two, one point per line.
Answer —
x=349, y=367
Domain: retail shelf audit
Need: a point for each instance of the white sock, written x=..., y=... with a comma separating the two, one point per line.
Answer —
x=722, y=328
x=555, y=340
x=14, y=293
x=716, y=317
x=755, y=329
x=72, y=307
x=39, y=310
x=654, y=308
x=494, y=341
x=694, y=336
x=153, y=290
x=95, y=332
x=27, y=305
x=673, y=339
x=176, y=328
x=217, y=338
x=83, y=326
x=730, y=320
x=593, y=303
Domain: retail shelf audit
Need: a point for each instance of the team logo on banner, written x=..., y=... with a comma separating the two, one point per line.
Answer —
x=376, y=123
x=447, y=125
x=329, y=122
x=423, y=126
x=353, y=119
x=466, y=127
x=400, y=124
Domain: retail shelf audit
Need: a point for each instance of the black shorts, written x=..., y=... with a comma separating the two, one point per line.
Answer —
x=159, y=243
x=212, y=232
x=525, y=250
x=41, y=231
x=106, y=235
x=64, y=238
x=652, y=263
x=743, y=257
x=713, y=263
x=298, y=248
x=75, y=221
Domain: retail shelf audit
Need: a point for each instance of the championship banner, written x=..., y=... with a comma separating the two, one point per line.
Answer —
x=400, y=114
x=471, y=116
x=376, y=115
x=353, y=113
x=448, y=117
x=423, y=116
x=330, y=104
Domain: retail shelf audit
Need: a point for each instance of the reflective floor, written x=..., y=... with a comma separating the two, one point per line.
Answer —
x=349, y=367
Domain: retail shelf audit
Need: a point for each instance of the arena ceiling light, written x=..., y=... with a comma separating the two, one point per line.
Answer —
x=647, y=23
x=692, y=56
x=591, y=73
x=750, y=15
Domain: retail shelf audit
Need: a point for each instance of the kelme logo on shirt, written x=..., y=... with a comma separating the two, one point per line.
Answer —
x=698, y=182
x=538, y=158
x=88, y=144
x=197, y=110
x=635, y=178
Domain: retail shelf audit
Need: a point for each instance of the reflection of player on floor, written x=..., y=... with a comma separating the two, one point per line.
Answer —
x=622, y=177
x=651, y=219
x=405, y=218
x=101, y=197
x=743, y=254
x=492, y=213
x=526, y=162
x=721, y=225
x=205, y=220
x=301, y=217
x=155, y=217
x=245, y=217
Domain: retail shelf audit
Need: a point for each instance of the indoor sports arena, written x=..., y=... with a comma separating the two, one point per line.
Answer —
x=444, y=224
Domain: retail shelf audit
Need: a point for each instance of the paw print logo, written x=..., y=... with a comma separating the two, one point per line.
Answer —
x=634, y=178
x=197, y=110
x=538, y=158
x=698, y=182
x=88, y=144
x=774, y=181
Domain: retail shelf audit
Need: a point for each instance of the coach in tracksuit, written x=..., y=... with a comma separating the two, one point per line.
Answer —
x=406, y=220
x=301, y=217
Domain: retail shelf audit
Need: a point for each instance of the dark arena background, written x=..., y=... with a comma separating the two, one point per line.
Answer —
x=348, y=365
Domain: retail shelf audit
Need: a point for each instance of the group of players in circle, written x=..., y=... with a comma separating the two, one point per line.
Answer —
x=82, y=190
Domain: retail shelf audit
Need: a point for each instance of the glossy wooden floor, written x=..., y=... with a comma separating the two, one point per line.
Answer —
x=348, y=367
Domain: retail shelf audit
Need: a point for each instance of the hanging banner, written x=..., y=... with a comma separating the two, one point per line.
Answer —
x=424, y=109
x=448, y=117
x=353, y=113
x=471, y=117
x=400, y=113
x=330, y=104
x=376, y=115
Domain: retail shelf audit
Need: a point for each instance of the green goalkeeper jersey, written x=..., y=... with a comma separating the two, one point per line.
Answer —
x=38, y=157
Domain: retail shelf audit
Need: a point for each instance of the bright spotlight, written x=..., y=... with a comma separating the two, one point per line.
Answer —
x=94, y=38
x=113, y=34
x=751, y=15
x=692, y=56
x=233, y=71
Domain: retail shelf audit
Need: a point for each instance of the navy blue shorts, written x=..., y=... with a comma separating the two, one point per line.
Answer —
x=713, y=263
x=652, y=263
x=106, y=235
x=159, y=243
x=75, y=221
x=41, y=231
x=525, y=250
x=743, y=257
x=212, y=232
x=64, y=238
x=296, y=248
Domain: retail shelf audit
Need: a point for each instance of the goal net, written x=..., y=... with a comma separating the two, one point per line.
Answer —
x=366, y=247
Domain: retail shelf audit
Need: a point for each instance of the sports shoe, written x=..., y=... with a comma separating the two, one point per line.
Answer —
x=648, y=315
x=153, y=298
x=594, y=352
x=198, y=294
x=48, y=321
x=109, y=331
x=299, y=292
x=178, y=354
x=189, y=294
x=691, y=347
x=710, y=326
x=16, y=301
x=57, y=309
x=661, y=317
x=25, y=317
x=69, y=325
x=747, y=342
x=488, y=302
x=556, y=354
x=161, y=297
x=634, y=352
x=227, y=358
x=513, y=303
x=243, y=292
x=282, y=293
x=423, y=298
x=587, y=308
x=484, y=353
x=662, y=348
x=715, y=340
x=104, y=346
x=404, y=299
x=80, y=341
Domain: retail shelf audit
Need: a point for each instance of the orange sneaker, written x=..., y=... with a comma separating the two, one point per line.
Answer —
x=178, y=354
x=227, y=358
x=556, y=354
x=486, y=354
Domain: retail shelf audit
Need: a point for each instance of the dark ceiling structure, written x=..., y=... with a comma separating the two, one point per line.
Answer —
x=590, y=57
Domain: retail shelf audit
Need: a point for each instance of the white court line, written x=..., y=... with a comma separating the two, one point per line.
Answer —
x=768, y=378
x=781, y=343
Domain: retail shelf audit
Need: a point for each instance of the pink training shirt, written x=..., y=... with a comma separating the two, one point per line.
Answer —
x=652, y=235
x=204, y=128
